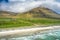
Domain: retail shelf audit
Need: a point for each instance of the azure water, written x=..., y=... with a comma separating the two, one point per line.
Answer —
x=48, y=35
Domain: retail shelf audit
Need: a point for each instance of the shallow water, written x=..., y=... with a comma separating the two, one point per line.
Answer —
x=48, y=35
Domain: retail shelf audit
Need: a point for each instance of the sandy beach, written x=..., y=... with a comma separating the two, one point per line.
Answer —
x=28, y=31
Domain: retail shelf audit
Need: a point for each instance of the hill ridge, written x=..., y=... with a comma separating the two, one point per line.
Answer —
x=34, y=13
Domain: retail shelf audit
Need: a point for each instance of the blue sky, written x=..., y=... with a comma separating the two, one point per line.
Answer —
x=58, y=0
x=26, y=5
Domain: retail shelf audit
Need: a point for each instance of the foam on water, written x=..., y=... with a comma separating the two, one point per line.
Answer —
x=50, y=35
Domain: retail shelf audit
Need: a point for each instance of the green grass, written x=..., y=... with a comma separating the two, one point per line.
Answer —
x=6, y=23
x=22, y=22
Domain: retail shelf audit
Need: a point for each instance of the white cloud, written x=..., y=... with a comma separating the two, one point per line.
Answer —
x=25, y=5
x=53, y=5
x=20, y=7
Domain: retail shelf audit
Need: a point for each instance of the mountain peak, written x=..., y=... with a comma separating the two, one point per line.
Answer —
x=34, y=13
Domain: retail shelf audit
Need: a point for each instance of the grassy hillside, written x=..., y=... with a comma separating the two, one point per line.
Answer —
x=36, y=17
x=41, y=12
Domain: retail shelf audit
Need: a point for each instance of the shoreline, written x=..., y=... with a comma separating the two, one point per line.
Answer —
x=27, y=31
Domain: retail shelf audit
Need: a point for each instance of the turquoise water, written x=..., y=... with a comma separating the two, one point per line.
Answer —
x=48, y=35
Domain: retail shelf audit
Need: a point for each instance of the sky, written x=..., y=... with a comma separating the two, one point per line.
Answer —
x=26, y=5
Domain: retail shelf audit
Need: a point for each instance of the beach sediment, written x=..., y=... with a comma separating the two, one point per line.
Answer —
x=28, y=31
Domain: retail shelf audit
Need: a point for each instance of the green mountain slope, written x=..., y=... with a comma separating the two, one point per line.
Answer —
x=42, y=12
x=36, y=17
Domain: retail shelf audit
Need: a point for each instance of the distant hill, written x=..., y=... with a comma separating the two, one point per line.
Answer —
x=40, y=16
x=40, y=12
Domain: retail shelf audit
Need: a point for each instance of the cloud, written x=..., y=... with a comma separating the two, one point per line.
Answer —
x=16, y=6
x=55, y=6
x=26, y=5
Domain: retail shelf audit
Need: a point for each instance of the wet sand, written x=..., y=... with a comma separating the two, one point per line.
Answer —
x=28, y=31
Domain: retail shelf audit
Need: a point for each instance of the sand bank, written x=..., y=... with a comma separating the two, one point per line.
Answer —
x=28, y=31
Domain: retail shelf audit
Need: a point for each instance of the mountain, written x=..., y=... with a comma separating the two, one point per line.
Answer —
x=40, y=12
x=40, y=16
